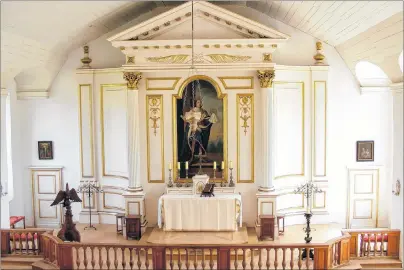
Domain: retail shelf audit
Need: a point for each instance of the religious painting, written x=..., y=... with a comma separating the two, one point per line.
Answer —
x=45, y=150
x=200, y=130
x=365, y=151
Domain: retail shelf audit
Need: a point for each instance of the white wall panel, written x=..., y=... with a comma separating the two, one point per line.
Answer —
x=86, y=130
x=114, y=131
x=289, y=129
x=320, y=122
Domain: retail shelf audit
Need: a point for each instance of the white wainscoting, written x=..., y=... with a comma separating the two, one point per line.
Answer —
x=86, y=130
x=114, y=130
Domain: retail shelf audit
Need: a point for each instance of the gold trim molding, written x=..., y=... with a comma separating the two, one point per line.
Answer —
x=54, y=184
x=39, y=208
x=91, y=130
x=172, y=87
x=220, y=95
x=155, y=121
x=105, y=206
x=325, y=200
x=354, y=216
x=247, y=87
x=245, y=114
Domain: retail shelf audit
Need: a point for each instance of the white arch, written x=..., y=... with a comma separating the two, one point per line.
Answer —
x=369, y=74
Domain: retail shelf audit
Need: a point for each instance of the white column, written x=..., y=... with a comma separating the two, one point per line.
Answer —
x=266, y=77
x=267, y=140
x=134, y=195
x=5, y=199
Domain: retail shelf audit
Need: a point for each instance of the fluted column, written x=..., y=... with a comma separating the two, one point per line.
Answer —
x=266, y=77
x=132, y=79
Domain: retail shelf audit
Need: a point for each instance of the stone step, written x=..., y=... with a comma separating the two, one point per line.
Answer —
x=19, y=262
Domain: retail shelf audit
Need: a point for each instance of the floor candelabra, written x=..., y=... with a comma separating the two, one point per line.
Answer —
x=89, y=187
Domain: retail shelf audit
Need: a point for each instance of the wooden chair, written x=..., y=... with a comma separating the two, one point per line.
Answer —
x=369, y=244
x=16, y=219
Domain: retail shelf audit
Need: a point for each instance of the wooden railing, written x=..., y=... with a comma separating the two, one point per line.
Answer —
x=22, y=241
x=66, y=255
x=374, y=243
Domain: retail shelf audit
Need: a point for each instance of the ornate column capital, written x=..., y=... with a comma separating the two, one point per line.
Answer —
x=266, y=77
x=132, y=79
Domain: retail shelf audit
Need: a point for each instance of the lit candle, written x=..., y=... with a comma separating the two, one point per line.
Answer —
x=231, y=165
x=222, y=165
x=179, y=165
x=186, y=165
x=170, y=166
x=214, y=165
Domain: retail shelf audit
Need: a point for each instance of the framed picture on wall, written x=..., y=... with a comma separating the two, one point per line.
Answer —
x=45, y=150
x=365, y=150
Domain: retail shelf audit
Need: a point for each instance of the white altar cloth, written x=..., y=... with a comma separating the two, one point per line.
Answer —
x=195, y=213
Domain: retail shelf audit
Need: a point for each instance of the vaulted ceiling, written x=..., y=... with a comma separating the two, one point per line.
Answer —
x=37, y=36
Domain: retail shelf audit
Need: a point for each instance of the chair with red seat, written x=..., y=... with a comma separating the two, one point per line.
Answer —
x=369, y=243
x=16, y=219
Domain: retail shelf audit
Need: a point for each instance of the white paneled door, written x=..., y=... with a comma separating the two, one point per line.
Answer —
x=363, y=198
x=46, y=183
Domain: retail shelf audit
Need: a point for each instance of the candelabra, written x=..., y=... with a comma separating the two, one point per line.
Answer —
x=308, y=189
x=231, y=183
x=89, y=187
x=2, y=194
x=170, y=182
x=178, y=184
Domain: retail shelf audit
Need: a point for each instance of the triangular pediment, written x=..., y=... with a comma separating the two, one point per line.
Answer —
x=210, y=22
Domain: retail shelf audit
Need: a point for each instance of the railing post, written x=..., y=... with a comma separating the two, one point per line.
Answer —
x=223, y=258
x=65, y=256
x=393, y=244
x=323, y=257
x=159, y=258
x=354, y=243
x=344, y=251
x=5, y=243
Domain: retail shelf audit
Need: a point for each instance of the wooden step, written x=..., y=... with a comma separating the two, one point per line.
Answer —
x=378, y=263
x=19, y=262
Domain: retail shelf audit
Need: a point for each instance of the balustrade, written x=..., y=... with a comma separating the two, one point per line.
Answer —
x=21, y=241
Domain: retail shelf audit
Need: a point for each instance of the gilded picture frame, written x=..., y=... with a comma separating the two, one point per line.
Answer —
x=45, y=150
x=365, y=151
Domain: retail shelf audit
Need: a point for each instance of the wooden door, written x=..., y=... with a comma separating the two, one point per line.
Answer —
x=363, y=198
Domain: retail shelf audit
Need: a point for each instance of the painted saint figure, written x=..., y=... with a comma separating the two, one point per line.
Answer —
x=198, y=123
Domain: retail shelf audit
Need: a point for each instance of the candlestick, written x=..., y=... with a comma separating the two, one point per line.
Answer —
x=186, y=173
x=214, y=175
x=170, y=182
x=231, y=184
x=231, y=165
x=222, y=165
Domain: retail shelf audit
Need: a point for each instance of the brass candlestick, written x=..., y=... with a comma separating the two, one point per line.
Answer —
x=231, y=184
x=186, y=177
x=170, y=182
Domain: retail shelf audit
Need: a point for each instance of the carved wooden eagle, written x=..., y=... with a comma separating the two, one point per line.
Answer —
x=66, y=196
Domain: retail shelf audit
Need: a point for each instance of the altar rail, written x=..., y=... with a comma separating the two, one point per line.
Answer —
x=64, y=255
x=374, y=243
x=22, y=241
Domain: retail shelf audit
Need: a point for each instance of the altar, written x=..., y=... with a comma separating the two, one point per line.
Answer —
x=194, y=213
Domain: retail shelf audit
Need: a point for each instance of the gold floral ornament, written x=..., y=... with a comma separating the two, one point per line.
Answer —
x=132, y=79
x=266, y=77
x=154, y=112
x=245, y=111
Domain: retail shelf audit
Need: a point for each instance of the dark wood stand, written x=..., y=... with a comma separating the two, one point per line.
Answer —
x=133, y=227
x=267, y=227
x=122, y=218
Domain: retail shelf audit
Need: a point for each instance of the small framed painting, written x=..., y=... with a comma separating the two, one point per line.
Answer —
x=365, y=150
x=45, y=150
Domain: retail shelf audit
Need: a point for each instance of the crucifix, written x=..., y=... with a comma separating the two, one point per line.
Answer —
x=200, y=156
x=308, y=189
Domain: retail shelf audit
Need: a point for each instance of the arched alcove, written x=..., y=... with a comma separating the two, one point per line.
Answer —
x=369, y=74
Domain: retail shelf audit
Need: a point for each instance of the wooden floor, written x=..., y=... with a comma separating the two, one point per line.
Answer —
x=106, y=233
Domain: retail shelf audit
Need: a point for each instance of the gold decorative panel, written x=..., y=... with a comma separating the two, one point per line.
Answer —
x=155, y=138
x=163, y=83
x=50, y=187
x=237, y=82
x=245, y=138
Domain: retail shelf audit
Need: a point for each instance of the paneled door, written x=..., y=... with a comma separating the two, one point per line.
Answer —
x=363, y=198
x=46, y=183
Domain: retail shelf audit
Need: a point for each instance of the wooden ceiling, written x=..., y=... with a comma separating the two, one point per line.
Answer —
x=35, y=37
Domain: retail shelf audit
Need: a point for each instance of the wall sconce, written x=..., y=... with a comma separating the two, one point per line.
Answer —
x=397, y=188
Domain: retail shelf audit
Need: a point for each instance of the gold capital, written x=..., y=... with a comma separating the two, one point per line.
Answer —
x=132, y=79
x=266, y=77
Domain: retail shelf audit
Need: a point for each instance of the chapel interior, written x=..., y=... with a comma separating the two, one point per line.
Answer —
x=201, y=134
